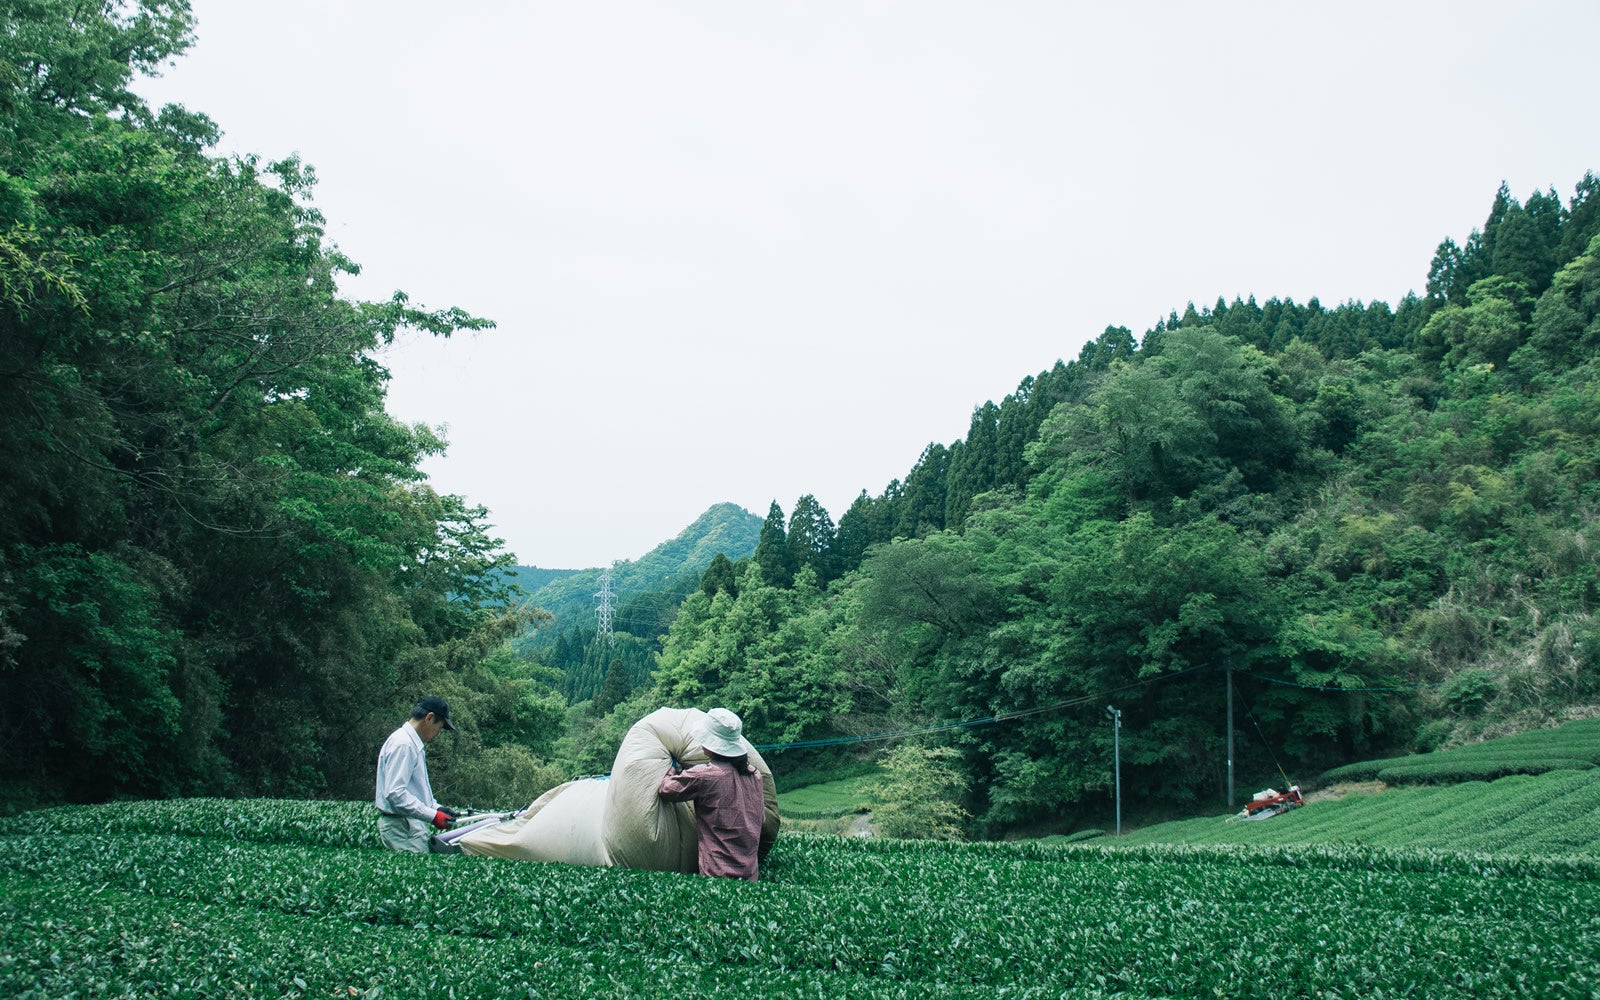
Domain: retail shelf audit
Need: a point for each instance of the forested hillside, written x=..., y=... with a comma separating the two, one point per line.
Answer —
x=1382, y=520
x=646, y=594
x=222, y=572
x=531, y=578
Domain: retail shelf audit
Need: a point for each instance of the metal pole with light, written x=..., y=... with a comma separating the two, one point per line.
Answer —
x=1229, y=672
x=1116, y=757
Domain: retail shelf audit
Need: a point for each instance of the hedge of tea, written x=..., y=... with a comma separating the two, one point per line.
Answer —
x=331, y=824
x=827, y=799
x=1556, y=813
x=1434, y=772
x=1574, y=746
x=232, y=911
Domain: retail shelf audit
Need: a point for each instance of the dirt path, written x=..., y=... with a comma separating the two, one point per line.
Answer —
x=1347, y=788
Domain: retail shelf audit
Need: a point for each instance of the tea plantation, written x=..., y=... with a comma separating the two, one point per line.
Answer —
x=1573, y=747
x=275, y=898
x=1549, y=803
x=1556, y=813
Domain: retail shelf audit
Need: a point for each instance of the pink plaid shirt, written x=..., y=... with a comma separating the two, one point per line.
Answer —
x=728, y=810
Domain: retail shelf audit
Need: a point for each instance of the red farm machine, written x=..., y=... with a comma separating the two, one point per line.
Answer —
x=1271, y=802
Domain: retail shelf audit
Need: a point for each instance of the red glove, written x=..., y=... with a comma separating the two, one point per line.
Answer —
x=442, y=819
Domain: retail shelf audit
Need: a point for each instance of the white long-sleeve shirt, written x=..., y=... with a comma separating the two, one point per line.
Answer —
x=402, y=787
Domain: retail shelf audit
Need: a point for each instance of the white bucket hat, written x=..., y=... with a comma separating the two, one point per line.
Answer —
x=721, y=732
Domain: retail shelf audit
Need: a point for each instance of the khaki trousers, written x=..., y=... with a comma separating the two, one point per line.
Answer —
x=403, y=833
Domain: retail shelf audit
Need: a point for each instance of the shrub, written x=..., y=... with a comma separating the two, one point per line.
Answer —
x=1469, y=692
x=917, y=797
x=500, y=778
x=1431, y=734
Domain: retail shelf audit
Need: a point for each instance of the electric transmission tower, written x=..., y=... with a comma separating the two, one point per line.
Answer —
x=603, y=629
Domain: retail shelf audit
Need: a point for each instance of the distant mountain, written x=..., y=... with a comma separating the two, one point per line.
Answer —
x=665, y=574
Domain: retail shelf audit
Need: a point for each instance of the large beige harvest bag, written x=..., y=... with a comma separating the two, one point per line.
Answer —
x=619, y=820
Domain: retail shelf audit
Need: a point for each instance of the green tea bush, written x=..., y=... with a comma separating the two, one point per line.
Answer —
x=1575, y=745
x=826, y=800
x=1467, y=769
x=1556, y=813
x=333, y=824
x=1365, y=770
x=139, y=910
x=1075, y=837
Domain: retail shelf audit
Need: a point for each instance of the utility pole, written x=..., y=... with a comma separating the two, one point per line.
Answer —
x=1228, y=671
x=1116, y=757
x=603, y=625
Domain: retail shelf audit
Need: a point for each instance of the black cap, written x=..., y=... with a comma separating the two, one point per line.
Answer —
x=438, y=706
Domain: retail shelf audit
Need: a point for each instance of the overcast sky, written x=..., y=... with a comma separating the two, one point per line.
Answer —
x=744, y=251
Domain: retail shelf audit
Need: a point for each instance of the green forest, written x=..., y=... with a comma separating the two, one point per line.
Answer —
x=220, y=568
x=223, y=573
x=1379, y=520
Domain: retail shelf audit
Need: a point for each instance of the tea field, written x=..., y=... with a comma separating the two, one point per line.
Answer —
x=1574, y=746
x=827, y=799
x=273, y=898
x=1555, y=813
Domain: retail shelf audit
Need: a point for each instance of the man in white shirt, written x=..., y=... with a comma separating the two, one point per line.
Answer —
x=406, y=806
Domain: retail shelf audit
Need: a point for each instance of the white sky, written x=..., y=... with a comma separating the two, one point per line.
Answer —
x=746, y=250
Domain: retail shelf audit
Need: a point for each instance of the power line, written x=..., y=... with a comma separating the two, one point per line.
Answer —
x=987, y=720
x=1326, y=687
x=1262, y=733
